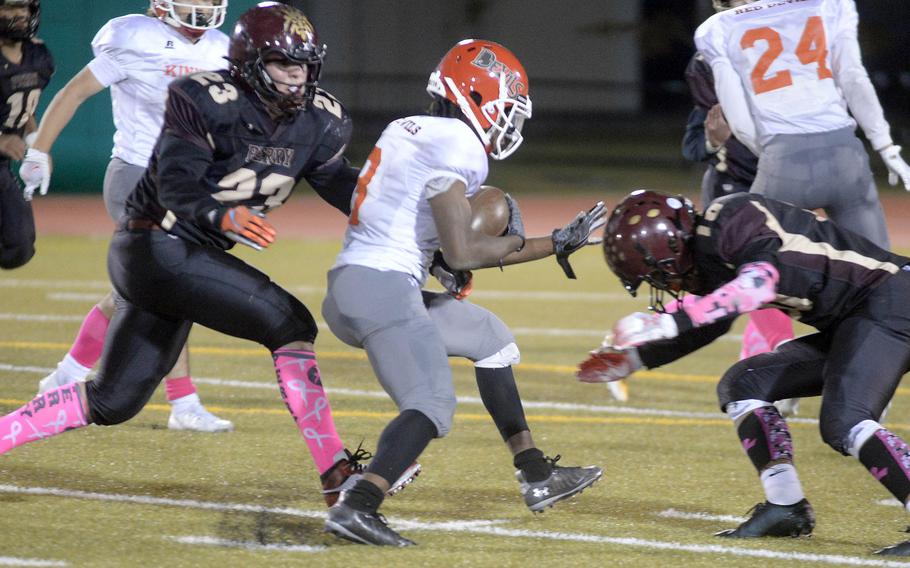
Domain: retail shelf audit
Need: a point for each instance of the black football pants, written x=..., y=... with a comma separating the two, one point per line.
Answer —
x=855, y=365
x=165, y=284
x=17, y=225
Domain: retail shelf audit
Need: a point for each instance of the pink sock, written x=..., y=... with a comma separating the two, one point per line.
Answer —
x=178, y=387
x=48, y=414
x=86, y=350
x=301, y=389
x=765, y=331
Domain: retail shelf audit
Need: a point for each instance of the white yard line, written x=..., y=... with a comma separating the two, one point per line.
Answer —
x=484, y=527
x=674, y=514
x=13, y=561
x=245, y=545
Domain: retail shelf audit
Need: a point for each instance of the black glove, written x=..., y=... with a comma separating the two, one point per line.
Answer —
x=459, y=283
x=516, y=225
x=577, y=234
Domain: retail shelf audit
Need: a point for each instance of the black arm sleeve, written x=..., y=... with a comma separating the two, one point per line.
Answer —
x=184, y=155
x=658, y=353
x=335, y=182
x=693, y=143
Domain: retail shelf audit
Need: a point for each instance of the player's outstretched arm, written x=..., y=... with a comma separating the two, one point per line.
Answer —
x=35, y=170
x=564, y=241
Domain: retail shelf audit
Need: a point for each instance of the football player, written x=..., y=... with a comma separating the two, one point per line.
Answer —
x=786, y=74
x=137, y=56
x=234, y=145
x=27, y=68
x=747, y=251
x=731, y=169
x=411, y=200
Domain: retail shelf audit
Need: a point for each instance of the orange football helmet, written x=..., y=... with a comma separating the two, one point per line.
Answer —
x=490, y=86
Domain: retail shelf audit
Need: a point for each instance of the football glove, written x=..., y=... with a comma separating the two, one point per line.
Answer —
x=577, y=234
x=898, y=170
x=608, y=364
x=639, y=328
x=35, y=172
x=459, y=283
x=248, y=227
x=516, y=225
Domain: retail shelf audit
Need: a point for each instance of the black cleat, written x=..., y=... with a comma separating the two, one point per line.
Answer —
x=362, y=528
x=562, y=484
x=769, y=519
x=899, y=549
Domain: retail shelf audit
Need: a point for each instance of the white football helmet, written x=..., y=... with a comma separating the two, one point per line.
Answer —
x=721, y=5
x=187, y=14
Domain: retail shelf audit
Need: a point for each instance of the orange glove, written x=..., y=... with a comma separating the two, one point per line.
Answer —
x=248, y=227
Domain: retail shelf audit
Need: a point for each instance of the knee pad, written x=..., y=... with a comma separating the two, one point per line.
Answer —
x=505, y=357
x=860, y=434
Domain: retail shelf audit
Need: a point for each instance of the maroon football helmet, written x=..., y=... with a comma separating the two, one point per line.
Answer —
x=21, y=28
x=270, y=31
x=646, y=240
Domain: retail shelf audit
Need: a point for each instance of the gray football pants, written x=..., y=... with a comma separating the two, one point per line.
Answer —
x=120, y=179
x=409, y=334
x=824, y=170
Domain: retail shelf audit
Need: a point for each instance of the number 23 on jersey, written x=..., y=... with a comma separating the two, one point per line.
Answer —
x=812, y=48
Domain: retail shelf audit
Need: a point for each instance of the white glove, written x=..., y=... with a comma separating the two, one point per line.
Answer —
x=35, y=171
x=639, y=328
x=897, y=167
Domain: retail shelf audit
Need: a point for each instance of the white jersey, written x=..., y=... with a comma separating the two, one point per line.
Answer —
x=794, y=66
x=138, y=56
x=391, y=225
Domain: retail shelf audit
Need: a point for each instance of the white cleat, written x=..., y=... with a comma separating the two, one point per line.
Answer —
x=55, y=380
x=196, y=418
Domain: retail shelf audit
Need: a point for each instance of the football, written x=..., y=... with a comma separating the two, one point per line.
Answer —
x=489, y=211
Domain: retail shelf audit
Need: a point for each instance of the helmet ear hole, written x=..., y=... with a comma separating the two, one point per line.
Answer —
x=475, y=96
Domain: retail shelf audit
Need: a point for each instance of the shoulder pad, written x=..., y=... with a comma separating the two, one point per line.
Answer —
x=337, y=121
x=119, y=33
x=326, y=104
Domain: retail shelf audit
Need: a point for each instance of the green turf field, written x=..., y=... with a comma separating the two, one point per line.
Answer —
x=141, y=495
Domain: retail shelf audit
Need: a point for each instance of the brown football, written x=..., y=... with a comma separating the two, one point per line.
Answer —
x=489, y=211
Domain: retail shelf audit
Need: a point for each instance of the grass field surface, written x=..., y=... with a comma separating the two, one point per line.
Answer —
x=141, y=495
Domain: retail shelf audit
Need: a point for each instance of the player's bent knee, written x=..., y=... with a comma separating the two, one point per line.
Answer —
x=835, y=433
x=111, y=415
x=505, y=357
x=738, y=383
x=299, y=327
x=16, y=257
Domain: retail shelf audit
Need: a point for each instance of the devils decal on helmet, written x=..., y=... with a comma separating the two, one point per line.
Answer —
x=271, y=31
x=20, y=27
x=647, y=240
x=490, y=87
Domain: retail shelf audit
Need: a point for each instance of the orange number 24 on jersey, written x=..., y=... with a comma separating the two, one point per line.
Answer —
x=812, y=48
